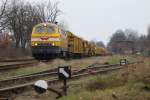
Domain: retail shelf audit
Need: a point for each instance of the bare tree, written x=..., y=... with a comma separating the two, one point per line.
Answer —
x=100, y=43
x=22, y=16
x=140, y=43
x=148, y=38
x=2, y=15
x=48, y=11
x=119, y=35
x=132, y=35
x=21, y=19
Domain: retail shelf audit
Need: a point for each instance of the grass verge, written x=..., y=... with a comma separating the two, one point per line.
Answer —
x=130, y=83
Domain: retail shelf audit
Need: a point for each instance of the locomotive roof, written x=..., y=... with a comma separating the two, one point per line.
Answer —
x=49, y=24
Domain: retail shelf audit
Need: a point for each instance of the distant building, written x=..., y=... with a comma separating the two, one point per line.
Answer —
x=124, y=47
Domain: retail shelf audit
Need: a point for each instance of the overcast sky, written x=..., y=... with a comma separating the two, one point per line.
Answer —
x=98, y=19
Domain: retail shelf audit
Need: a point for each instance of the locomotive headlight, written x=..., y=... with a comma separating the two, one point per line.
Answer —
x=35, y=44
x=53, y=44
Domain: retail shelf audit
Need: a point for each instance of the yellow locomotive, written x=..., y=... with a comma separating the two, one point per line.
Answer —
x=49, y=41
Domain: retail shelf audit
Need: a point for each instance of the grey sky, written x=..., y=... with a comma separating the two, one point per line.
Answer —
x=98, y=19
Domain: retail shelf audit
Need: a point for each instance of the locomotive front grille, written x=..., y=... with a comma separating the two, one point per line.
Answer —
x=46, y=49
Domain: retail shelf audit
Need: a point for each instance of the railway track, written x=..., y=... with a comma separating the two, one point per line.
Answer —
x=15, y=60
x=53, y=74
x=13, y=64
x=17, y=63
x=30, y=77
x=26, y=78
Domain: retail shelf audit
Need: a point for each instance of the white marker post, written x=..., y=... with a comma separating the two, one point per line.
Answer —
x=123, y=62
x=64, y=73
x=40, y=86
x=61, y=70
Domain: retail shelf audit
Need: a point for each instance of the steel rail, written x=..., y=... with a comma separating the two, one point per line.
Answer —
x=16, y=65
x=42, y=73
x=16, y=60
x=76, y=74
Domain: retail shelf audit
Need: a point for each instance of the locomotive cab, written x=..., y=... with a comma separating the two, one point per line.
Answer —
x=47, y=41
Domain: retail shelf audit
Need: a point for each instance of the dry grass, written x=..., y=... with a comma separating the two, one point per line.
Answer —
x=124, y=84
x=75, y=63
x=12, y=53
x=116, y=58
x=130, y=83
x=41, y=66
x=82, y=63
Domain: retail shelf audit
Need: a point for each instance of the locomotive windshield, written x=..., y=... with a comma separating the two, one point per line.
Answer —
x=50, y=29
x=40, y=29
